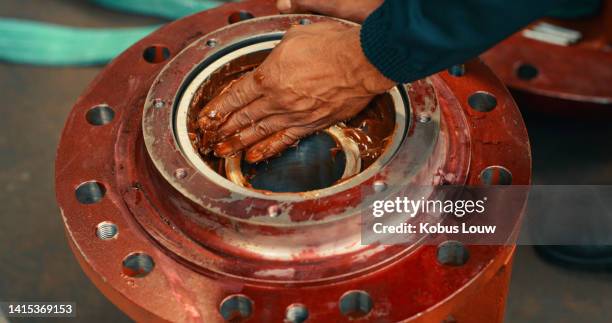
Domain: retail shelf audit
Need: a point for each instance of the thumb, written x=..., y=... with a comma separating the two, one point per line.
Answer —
x=284, y=6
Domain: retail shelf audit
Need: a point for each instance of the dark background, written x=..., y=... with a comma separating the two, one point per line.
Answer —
x=37, y=265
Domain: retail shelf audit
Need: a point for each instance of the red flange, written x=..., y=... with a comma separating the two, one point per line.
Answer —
x=166, y=240
x=576, y=73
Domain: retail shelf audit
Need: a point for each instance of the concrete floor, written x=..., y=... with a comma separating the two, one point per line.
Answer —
x=37, y=264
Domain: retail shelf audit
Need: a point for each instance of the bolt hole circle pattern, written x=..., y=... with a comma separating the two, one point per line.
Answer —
x=482, y=101
x=239, y=16
x=107, y=231
x=496, y=175
x=156, y=54
x=356, y=304
x=90, y=192
x=236, y=308
x=452, y=253
x=167, y=240
x=100, y=115
x=296, y=313
x=527, y=72
x=138, y=265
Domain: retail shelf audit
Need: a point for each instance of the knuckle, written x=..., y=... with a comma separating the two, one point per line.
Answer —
x=243, y=119
x=289, y=137
x=262, y=129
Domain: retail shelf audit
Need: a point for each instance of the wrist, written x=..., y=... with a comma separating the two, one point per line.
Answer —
x=373, y=80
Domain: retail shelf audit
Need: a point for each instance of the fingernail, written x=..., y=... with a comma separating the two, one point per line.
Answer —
x=254, y=156
x=283, y=5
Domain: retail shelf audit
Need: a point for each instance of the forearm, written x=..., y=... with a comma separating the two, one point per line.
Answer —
x=411, y=39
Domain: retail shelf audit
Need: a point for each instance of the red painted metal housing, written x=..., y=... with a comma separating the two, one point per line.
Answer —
x=210, y=246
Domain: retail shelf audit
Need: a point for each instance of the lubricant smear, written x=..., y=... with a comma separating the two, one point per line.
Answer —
x=371, y=129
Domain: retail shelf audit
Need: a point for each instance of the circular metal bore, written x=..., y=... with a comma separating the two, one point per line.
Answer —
x=452, y=253
x=100, y=115
x=296, y=313
x=107, y=231
x=156, y=54
x=236, y=308
x=482, y=101
x=457, y=70
x=275, y=176
x=527, y=72
x=496, y=175
x=239, y=16
x=355, y=304
x=138, y=265
x=237, y=181
x=90, y=192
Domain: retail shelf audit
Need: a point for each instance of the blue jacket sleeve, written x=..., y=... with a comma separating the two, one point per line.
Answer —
x=411, y=39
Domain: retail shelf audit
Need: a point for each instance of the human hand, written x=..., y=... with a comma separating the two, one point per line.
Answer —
x=316, y=77
x=354, y=10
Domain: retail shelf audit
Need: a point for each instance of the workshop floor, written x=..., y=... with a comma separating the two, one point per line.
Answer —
x=37, y=265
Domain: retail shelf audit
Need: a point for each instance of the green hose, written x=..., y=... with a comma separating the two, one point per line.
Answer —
x=170, y=9
x=36, y=43
x=30, y=42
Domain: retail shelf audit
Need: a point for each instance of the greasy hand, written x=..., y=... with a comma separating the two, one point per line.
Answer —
x=354, y=10
x=316, y=77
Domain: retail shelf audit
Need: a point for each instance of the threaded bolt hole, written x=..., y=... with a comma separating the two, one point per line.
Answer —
x=106, y=230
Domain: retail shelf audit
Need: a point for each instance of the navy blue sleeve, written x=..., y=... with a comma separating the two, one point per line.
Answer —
x=410, y=39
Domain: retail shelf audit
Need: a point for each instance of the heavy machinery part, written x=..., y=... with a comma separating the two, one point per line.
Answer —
x=166, y=238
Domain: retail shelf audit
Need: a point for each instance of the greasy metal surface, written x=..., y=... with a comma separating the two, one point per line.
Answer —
x=581, y=72
x=189, y=280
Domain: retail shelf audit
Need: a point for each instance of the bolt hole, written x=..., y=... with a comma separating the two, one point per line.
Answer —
x=296, y=313
x=212, y=43
x=527, y=72
x=482, y=101
x=90, y=192
x=274, y=211
x=452, y=253
x=156, y=54
x=236, y=308
x=355, y=304
x=496, y=175
x=449, y=319
x=138, y=265
x=305, y=21
x=457, y=70
x=239, y=16
x=180, y=173
x=380, y=186
x=424, y=118
x=158, y=103
x=100, y=115
x=106, y=231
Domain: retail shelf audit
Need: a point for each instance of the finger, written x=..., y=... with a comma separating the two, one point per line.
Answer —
x=284, y=6
x=277, y=143
x=300, y=6
x=246, y=117
x=237, y=95
x=256, y=133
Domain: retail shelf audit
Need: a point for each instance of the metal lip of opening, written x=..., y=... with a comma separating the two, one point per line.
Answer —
x=185, y=98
